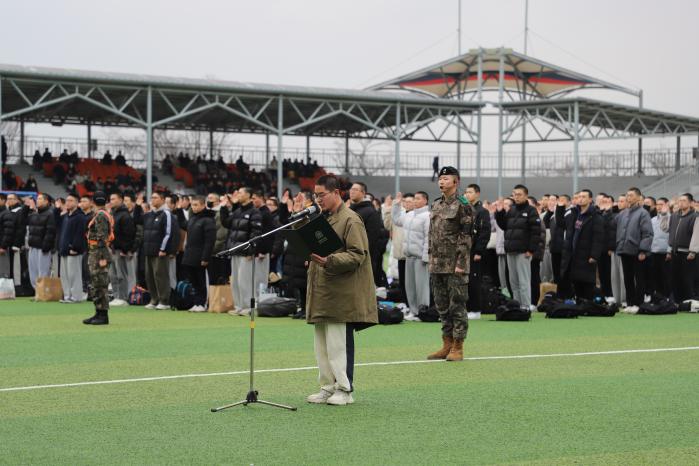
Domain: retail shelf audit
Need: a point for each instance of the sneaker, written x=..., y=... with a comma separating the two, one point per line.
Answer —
x=162, y=307
x=411, y=317
x=118, y=302
x=610, y=300
x=232, y=312
x=630, y=310
x=473, y=316
x=319, y=398
x=198, y=309
x=532, y=308
x=340, y=398
x=244, y=312
x=64, y=301
x=151, y=305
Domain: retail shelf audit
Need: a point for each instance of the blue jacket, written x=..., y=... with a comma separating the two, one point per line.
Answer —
x=72, y=233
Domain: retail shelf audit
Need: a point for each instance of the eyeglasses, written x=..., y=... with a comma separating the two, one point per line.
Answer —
x=320, y=196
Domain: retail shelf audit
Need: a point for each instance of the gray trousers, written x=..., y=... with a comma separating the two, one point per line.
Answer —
x=520, y=278
x=417, y=283
x=240, y=283
x=131, y=272
x=158, y=279
x=546, y=272
x=119, y=275
x=502, y=271
x=618, y=289
x=39, y=264
x=72, y=277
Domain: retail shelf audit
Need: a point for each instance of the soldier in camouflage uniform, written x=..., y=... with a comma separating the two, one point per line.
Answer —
x=451, y=222
x=100, y=233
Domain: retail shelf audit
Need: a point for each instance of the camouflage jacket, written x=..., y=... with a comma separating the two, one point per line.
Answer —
x=99, y=235
x=451, y=222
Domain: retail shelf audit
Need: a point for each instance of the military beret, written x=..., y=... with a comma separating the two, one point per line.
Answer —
x=99, y=198
x=449, y=171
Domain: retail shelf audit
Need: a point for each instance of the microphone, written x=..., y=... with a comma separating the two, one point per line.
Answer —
x=303, y=213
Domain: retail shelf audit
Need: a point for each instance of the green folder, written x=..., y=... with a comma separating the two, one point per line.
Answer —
x=317, y=237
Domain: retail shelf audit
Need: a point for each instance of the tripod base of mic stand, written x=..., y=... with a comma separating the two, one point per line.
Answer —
x=252, y=398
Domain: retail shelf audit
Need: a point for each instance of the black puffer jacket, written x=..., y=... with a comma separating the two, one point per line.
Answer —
x=243, y=223
x=481, y=230
x=268, y=224
x=156, y=226
x=41, y=228
x=375, y=232
x=610, y=217
x=201, y=237
x=7, y=229
x=589, y=244
x=124, y=230
x=522, y=227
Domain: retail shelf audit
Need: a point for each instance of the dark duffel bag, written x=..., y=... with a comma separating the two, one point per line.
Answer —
x=276, y=307
x=564, y=311
x=597, y=308
x=661, y=307
x=491, y=297
x=512, y=312
x=428, y=313
x=389, y=315
x=549, y=302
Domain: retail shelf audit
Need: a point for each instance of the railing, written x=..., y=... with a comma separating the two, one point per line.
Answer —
x=676, y=183
x=381, y=161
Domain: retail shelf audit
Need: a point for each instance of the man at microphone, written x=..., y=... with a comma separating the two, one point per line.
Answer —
x=340, y=298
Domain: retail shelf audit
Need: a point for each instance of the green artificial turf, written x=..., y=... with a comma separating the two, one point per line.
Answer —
x=631, y=408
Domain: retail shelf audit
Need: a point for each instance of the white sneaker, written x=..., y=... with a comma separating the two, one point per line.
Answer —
x=118, y=302
x=411, y=317
x=244, y=312
x=198, y=309
x=150, y=305
x=630, y=310
x=340, y=398
x=646, y=298
x=610, y=300
x=162, y=307
x=474, y=315
x=319, y=398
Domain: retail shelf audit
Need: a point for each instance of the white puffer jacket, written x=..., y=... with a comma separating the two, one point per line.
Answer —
x=416, y=230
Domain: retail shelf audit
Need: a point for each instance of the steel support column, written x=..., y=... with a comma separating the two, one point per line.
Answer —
x=501, y=78
x=308, y=150
x=480, y=117
x=267, y=151
x=576, y=145
x=211, y=144
x=678, y=162
x=149, y=144
x=21, y=141
x=397, y=154
x=89, y=141
x=640, y=140
x=347, y=154
x=280, y=147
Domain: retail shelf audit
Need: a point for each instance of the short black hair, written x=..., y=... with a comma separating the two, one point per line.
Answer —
x=3, y=197
x=610, y=197
x=652, y=199
x=363, y=185
x=424, y=194
x=117, y=194
x=408, y=195
x=566, y=196
x=258, y=193
x=688, y=196
x=73, y=195
x=199, y=198
x=174, y=198
x=664, y=199
x=329, y=182
x=160, y=194
x=522, y=187
x=131, y=196
x=247, y=189
x=476, y=188
x=635, y=190
x=589, y=193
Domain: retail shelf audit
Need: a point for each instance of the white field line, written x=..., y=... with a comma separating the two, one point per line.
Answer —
x=364, y=364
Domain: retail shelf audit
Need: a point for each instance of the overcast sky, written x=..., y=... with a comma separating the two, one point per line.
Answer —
x=645, y=44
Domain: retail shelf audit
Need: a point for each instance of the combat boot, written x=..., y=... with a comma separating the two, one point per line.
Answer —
x=457, y=350
x=446, y=348
x=100, y=318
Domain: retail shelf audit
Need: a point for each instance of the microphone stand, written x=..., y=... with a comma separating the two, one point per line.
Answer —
x=249, y=246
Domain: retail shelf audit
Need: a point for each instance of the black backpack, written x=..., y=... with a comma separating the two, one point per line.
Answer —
x=564, y=311
x=389, y=315
x=597, y=309
x=491, y=297
x=428, y=313
x=512, y=311
x=276, y=307
x=663, y=306
x=549, y=302
x=182, y=297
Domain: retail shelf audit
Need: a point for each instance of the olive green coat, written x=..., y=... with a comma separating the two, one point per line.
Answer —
x=343, y=290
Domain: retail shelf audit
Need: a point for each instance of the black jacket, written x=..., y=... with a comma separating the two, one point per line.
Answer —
x=609, y=224
x=201, y=236
x=7, y=228
x=243, y=223
x=266, y=246
x=681, y=229
x=588, y=244
x=295, y=272
x=375, y=231
x=158, y=230
x=522, y=227
x=41, y=228
x=124, y=230
x=481, y=230
x=72, y=236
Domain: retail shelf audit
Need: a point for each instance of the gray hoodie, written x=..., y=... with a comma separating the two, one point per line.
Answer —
x=634, y=232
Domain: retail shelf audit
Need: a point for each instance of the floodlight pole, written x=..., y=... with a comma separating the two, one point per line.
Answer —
x=678, y=162
x=280, y=146
x=640, y=139
x=501, y=78
x=480, y=116
x=397, y=155
x=458, y=87
x=576, y=144
x=149, y=144
x=524, y=96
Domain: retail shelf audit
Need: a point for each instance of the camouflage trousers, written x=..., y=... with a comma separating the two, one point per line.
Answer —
x=99, y=280
x=450, y=293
